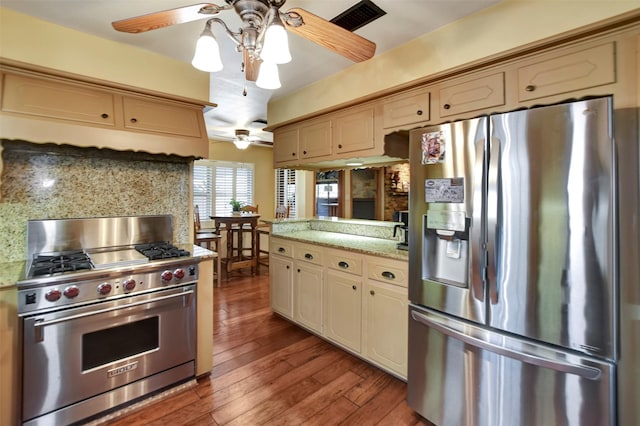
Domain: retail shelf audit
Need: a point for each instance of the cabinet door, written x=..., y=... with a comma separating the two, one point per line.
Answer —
x=472, y=95
x=162, y=117
x=353, y=131
x=408, y=108
x=54, y=99
x=343, y=309
x=386, y=324
x=307, y=290
x=580, y=70
x=281, y=281
x=315, y=139
x=285, y=145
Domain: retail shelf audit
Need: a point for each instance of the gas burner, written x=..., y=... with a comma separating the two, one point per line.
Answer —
x=161, y=250
x=59, y=263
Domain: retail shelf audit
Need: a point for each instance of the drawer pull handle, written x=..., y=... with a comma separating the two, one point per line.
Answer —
x=371, y=292
x=354, y=287
x=308, y=256
x=105, y=115
x=281, y=250
x=388, y=275
x=530, y=88
x=419, y=112
x=134, y=120
x=446, y=106
x=343, y=264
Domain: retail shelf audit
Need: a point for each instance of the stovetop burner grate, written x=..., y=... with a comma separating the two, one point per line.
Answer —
x=161, y=250
x=58, y=263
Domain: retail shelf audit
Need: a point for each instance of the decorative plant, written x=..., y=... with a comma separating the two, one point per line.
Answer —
x=235, y=205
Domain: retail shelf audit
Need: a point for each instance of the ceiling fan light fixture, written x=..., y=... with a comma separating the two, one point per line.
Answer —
x=242, y=141
x=275, y=48
x=268, y=77
x=207, y=56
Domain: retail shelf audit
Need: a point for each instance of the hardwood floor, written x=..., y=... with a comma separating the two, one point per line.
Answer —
x=269, y=371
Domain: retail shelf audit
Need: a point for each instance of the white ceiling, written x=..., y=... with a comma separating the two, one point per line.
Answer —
x=404, y=21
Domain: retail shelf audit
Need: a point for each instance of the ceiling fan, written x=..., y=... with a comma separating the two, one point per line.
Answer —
x=254, y=40
x=243, y=139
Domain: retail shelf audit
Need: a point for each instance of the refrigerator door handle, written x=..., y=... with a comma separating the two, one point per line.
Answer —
x=493, y=207
x=478, y=262
x=446, y=327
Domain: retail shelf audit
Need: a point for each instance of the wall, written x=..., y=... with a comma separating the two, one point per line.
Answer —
x=506, y=26
x=56, y=182
x=34, y=41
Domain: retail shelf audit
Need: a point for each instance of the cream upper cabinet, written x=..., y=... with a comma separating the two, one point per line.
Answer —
x=563, y=73
x=407, y=108
x=385, y=309
x=285, y=146
x=314, y=139
x=353, y=131
x=471, y=95
x=343, y=309
x=152, y=115
x=58, y=100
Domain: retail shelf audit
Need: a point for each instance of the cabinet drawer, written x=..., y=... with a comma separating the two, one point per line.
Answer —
x=309, y=253
x=161, y=117
x=388, y=271
x=580, y=70
x=472, y=95
x=281, y=247
x=345, y=261
x=52, y=99
x=405, y=109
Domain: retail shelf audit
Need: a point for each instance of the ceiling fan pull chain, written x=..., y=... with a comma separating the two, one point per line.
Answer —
x=244, y=90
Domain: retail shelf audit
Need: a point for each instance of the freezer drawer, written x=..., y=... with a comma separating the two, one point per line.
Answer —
x=461, y=374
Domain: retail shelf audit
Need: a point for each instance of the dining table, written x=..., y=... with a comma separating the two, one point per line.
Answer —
x=238, y=255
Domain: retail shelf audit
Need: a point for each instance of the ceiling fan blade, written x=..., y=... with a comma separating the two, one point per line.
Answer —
x=153, y=21
x=332, y=36
x=251, y=68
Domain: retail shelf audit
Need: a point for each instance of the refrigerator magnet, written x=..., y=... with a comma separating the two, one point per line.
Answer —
x=433, y=147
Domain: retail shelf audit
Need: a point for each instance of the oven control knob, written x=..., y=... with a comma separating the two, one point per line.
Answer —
x=53, y=295
x=129, y=284
x=104, y=289
x=166, y=276
x=71, y=292
x=179, y=273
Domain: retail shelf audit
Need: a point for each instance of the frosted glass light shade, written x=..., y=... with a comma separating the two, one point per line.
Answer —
x=276, y=44
x=268, y=77
x=241, y=143
x=207, y=56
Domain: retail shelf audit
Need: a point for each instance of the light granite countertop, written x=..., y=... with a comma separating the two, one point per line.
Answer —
x=356, y=243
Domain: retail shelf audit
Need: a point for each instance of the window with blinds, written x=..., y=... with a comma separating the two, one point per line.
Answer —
x=286, y=190
x=215, y=183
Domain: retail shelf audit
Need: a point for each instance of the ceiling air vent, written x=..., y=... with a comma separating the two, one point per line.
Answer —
x=358, y=15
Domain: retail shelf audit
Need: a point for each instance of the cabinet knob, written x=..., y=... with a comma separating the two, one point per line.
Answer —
x=446, y=106
x=530, y=88
x=371, y=292
x=134, y=120
x=304, y=152
x=339, y=146
x=287, y=266
x=105, y=115
x=293, y=154
x=419, y=112
x=298, y=269
x=354, y=287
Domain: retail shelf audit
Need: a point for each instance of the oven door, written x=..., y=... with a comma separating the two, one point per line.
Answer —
x=74, y=354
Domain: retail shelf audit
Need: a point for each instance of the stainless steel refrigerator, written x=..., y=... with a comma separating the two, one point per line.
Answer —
x=513, y=268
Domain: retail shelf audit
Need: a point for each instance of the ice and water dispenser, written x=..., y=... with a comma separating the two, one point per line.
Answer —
x=445, y=233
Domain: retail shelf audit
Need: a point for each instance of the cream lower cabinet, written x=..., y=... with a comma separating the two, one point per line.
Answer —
x=343, y=309
x=281, y=276
x=204, y=307
x=308, y=286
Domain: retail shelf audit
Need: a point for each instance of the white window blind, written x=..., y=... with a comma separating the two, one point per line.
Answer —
x=286, y=189
x=225, y=180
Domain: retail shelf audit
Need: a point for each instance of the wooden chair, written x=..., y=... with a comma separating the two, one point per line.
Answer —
x=209, y=239
x=282, y=212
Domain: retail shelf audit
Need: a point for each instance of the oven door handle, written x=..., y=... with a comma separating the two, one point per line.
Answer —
x=39, y=323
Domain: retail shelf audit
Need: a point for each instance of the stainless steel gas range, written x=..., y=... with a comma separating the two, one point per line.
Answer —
x=108, y=312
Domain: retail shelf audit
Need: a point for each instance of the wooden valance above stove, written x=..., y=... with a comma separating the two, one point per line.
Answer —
x=48, y=107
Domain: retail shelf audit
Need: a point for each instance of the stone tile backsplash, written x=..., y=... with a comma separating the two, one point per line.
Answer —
x=60, y=181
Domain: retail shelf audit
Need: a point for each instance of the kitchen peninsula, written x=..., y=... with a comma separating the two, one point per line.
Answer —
x=346, y=281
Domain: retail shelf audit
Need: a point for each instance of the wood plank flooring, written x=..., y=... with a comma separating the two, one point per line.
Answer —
x=269, y=371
